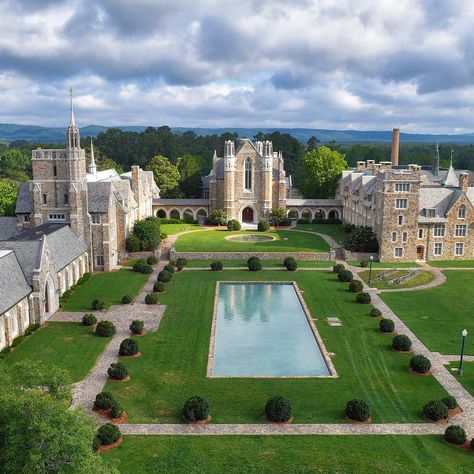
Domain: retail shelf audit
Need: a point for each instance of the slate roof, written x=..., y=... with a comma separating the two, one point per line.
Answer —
x=65, y=246
x=181, y=202
x=99, y=196
x=8, y=227
x=451, y=178
x=28, y=254
x=13, y=284
x=23, y=202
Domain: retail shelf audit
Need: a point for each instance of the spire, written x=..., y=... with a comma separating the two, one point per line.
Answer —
x=72, y=139
x=92, y=166
x=451, y=158
x=214, y=156
x=72, y=122
x=436, y=162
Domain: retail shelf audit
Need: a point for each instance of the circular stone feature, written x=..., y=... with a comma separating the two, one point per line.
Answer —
x=245, y=238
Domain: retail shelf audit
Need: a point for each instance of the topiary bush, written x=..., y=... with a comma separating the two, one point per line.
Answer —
x=126, y=299
x=288, y=259
x=375, y=312
x=182, y=262
x=401, y=343
x=291, y=266
x=116, y=410
x=455, y=434
x=151, y=298
x=450, y=402
x=357, y=410
x=217, y=266
x=263, y=225
x=345, y=276
x=169, y=268
x=159, y=287
x=117, y=371
x=355, y=286
x=164, y=276
x=363, y=298
x=254, y=264
x=386, y=325
x=128, y=347
x=364, y=263
x=136, y=327
x=338, y=268
x=88, y=320
x=97, y=305
x=108, y=434
x=233, y=225
x=103, y=401
x=278, y=409
x=420, y=364
x=95, y=443
x=147, y=269
x=105, y=329
x=196, y=409
x=151, y=260
x=435, y=410
x=139, y=265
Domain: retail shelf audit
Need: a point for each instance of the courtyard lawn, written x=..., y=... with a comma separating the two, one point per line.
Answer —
x=336, y=231
x=171, y=229
x=69, y=346
x=199, y=263
x=356, y=263
x=174, y=361
x=452, y=263
x=421, y=279
x=438, y=315
x=109, y=287
x=215, y=241
x=467, y=378
x=289, y=454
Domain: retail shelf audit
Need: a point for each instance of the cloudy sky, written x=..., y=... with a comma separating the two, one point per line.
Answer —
x=341, y=64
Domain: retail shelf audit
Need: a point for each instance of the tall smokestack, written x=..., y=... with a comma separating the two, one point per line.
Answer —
x=395, y=146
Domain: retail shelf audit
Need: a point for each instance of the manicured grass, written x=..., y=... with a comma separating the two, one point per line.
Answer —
x=452, y=263
x=174, y=361
x=438, y=315
x=356, y=263
x=289, y=454
x=171, y=229
x=336, y=231
x=467, y=378
x=69, y=346
x=421, y=279
x=199, y=263
x=109, y=287
x=215, y=241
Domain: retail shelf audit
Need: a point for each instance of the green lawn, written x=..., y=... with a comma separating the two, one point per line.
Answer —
x=290, y=454
x=452, y=263
x=215, y=241
x=196, y=263
x=109, y=287
x=171, y=229
x=69, y=346
x=438, y=315
x=356, y=263
x=421, y=279
x=467, y=378
x=336, y=231
x=174, y=361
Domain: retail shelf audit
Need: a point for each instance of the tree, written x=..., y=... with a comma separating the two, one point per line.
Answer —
x=166, y=176
x=190, y=170
x=322, y=170
x=147, y=231
x=312, y=143
x=277, y=214
x=8, y=194
x=218, y=217
x=15, y=164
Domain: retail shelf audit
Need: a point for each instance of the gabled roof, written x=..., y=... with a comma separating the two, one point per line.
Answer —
x=8, y=227
x=99, y=196
x=451, y=178
x=23, y=202
x=13, y=284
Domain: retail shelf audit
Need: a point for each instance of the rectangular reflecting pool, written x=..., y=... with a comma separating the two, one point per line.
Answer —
x=262, y=329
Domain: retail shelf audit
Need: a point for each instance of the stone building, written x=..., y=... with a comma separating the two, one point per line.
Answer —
x=417, y=212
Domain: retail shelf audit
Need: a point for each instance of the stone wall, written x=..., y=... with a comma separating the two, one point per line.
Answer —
x=324, y=256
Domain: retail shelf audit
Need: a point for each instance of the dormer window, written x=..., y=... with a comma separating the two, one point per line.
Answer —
x=248, y=174
x=462, y=212
x=430, y=212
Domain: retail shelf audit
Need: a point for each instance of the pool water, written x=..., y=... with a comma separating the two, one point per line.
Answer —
x=261, y=329
x=250, y=238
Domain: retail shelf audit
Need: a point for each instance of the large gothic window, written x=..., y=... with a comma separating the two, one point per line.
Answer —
x=248, y=174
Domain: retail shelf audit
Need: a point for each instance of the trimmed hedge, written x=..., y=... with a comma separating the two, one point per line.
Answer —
x=364, y=263
x=164, y=276
x=151, y=260
x=278, y=409
x=263, y=225
x=233, y=225
x=159, y=287
x=291, y=265
x=254, y=264
x=363, y=298
x=196, y=409
x=339, y=267
x=151, y=298
x=95, y=443
x=147, y=269
x=435, y=410
x=128, y=347
x=88, y=320
x=345, y=276
x=182, y=262
x=108, y=434
x=217, y=266
x=288, y=259
x=420, y=364
x=401, y=343
x=97, y=304
x=357, y=410
x=139, y=265
x=116, y=410
x=375, y=312
x=450, y=402
x=455, y=434
x=355, y=286
x=103, y=401
x=137, y=326
x=386, y=325
x=31, y=329
x=169, y=268
x=105, y=329
x=126, y=299
x=117, y=371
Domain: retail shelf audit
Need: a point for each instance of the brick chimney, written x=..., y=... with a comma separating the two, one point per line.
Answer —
x=463, y=182
x=395, y=146
x=136, y=187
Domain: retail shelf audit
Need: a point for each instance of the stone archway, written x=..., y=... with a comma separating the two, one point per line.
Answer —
x=175, y=214
x=333, y=214
x=161, y=213
x=247, y=214
x=50, y=303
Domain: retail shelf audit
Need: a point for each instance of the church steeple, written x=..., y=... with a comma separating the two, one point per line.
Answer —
x=92, y=166
x=436, y=160
x=73, y=140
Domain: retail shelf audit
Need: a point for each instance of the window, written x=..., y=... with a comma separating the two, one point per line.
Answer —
x=420, y=233
x=402, y=187
x=401, y=203
x=398, y=252
x=206, y=194
x=99, y=260
x=439, y=230
x=430, y=212
x=405, y=237
x=45, y=199
x=95, y=218
x=248, y=174
x=459, y=249
x=26, y=218
x=55, y=171
x=462, y=212
x=460, y=230
x=57, y=217
x=438, y=248
x=394, y=236
x=400, y=220
x=66, y=199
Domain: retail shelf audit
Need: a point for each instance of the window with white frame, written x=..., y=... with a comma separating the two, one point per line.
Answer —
x=462, y=212
x=460, y=230
x=95, y=218
x=398, y=252
x=99, y=260
x=439, y=230
x=57, y=217
x=405, y=237
x=420, y=233
x=438, y=248
x=459, y=248
x=401, y=203
x=400, y=220
x=430, y=212
x=402, y=187
x=394, y=236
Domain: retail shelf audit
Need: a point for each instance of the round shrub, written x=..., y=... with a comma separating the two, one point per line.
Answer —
x=108, y=434
x=420, y=364
x=357, y=410
x=278, y=409
x=152, y=260
x=435, y=410
x=291, y=266
x=355, y=286
x=164, y=276
x=345, y=276
x=288, y=259
x=386, y=325
x=182, y=262
x=103, y=400
x=375, y=312
x=364, y=263
x=159, y=286
x=126, y=299
x=338, y=268
x=117, y=371
x=196, y=409
x=95, y=444
x=151, y=298
x=88, y=320
x=128, y=347
x=169, y=268
x=136, y=327
x=233, y=225
x=455, y=434
x=97, y=304
x=450, y=402
x=116, y=410
x=401, y=343
x=254, y=264
x=105, y=329
x=147, y=269
x=216, y=266
x=139, y=265
x=263, y=225
x=363, y=298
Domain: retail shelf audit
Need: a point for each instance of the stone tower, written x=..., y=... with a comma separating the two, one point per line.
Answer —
x=267, y=177
x=229, y=178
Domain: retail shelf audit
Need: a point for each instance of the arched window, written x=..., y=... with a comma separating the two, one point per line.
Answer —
x=248, y=174
x=462, y=212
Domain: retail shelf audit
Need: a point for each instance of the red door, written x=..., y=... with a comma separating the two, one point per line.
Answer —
x=247, y=214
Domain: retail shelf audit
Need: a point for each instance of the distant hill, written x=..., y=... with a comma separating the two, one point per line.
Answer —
x=32, y=133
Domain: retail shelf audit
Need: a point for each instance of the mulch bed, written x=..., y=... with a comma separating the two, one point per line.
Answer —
x=454, y=411
x=108, y=447
x=391, y=332
x=126, y=379
x=135, y=356
x=199, y=422
x=465, y=447
x=121, y=419
x=357, y=422
x=427, y=374
x=403, y=352
x=139, y=335
x=105, y=413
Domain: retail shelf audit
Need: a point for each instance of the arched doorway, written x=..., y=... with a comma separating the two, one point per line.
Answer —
x=247, y=214
x=420, y=252
x=333, y=214
x=50, y=304
x=161, y=213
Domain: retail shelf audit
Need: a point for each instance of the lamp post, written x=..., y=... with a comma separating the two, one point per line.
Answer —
x=371, y=259
x=463, y=334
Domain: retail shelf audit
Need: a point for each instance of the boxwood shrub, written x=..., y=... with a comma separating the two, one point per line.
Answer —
x=116, y=410
x=355, y=286
x=151, y=260
x=137, y=326
x=363, y=298
x=263, y=225
x=233, y=225
x=164, y=276
x=345, y=276
x=117, y=371
x=31, y=329
x=196, y=409
x=278, y=409
x=88, y=320
x=147, y=269
x=288, y=259
x=217, y=266
x=159, y=286
x=169, y=268
x=254, y=264
x=357, y=410
x=338, y=268
x=105, y=329
x=151, y=298
x=95, y=443
x=455, y=434
x=435, y=410
x=420, y=364
x=375, y=312
x=291, y=265
x=139, y=265
x=97, y=304
x=108, y=434
x=182, y=262
x=386, y=325
x=103, y=400
x=364, y=263
x=401, y=343
x=128, y=347
x=450, y=402
x=126, y=299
